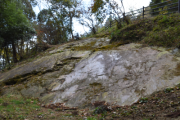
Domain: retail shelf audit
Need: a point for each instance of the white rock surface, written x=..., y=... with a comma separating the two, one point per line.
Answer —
x=78, y=78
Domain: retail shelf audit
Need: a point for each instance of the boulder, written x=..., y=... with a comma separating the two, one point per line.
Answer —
x=80, y=73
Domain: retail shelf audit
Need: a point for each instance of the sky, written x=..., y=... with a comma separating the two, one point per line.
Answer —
x=78, y=28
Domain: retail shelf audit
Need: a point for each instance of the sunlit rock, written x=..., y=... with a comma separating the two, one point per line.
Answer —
x=79, y=74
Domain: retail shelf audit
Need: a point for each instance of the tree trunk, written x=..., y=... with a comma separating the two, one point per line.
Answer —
x=118, y=23
x=72, y=34
x=21, y=49
x=3, y=61
x=14, y=53
x=93, y=30
x=126, y=19
x=27, y=49
x=71, y=25
x=7, y=55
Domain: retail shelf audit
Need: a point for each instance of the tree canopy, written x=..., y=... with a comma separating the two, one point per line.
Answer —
x=55, y=23
x=14, y=25
x=21, y=31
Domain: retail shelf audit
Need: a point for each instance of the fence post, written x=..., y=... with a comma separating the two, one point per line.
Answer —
x=179, y=6
x=143, y=12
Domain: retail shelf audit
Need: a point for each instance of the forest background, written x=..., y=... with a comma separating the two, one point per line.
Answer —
x=28, y=27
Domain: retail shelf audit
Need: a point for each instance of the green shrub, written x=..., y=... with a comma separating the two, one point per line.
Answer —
x=91, y=118
x=162, y=30
x=168, y=90
x=143, y=100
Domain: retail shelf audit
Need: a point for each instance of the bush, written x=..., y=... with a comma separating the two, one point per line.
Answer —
x=162, y=30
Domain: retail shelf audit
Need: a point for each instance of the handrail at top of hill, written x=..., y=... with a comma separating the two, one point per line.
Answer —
x=145, y=12
x=160, y=3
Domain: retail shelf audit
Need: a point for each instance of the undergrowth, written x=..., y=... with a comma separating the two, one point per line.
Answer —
x=164, y=104
x=19, y=108
x=162, y=30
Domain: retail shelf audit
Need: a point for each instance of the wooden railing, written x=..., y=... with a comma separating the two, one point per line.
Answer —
x=167, y=7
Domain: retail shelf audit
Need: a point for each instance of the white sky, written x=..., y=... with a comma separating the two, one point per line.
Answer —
x=134, y=4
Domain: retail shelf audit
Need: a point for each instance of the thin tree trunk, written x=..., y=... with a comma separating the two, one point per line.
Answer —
x=3, y=60
x=71, y=25
x=125, y=18
x=27, y=49
x=14, y=53
x=93, y=30
x=72, y=34
x=7, y=55
x=21, y=49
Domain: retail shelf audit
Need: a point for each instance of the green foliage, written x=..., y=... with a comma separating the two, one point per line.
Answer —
x=16, y=107
x=100, y=11
x=133, y=32
x=114, y=33
x=17, y=102
x=178, y=86
x=143, y=100
x=162, y=7
x=168, y=90
x=14, y=26
x=126, y=113
x=163, y=30
x=44, y=15
x=100, y=109
x=163, y=20
x=1, y=41
x=13, y=16
x=168, y=37
x=21, y=117
x=133, y=107
x=146, y=119
x=55, y=23
x=98, y=8
x=97, y=5
x=91, y=118
x=163, y=10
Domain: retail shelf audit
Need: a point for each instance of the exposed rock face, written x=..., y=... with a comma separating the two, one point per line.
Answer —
x=82, y=72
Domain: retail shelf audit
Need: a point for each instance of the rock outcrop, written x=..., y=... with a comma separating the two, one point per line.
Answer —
x=86, y=71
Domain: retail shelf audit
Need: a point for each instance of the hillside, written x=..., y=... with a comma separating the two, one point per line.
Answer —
x=130, y=73
x=160, y=31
